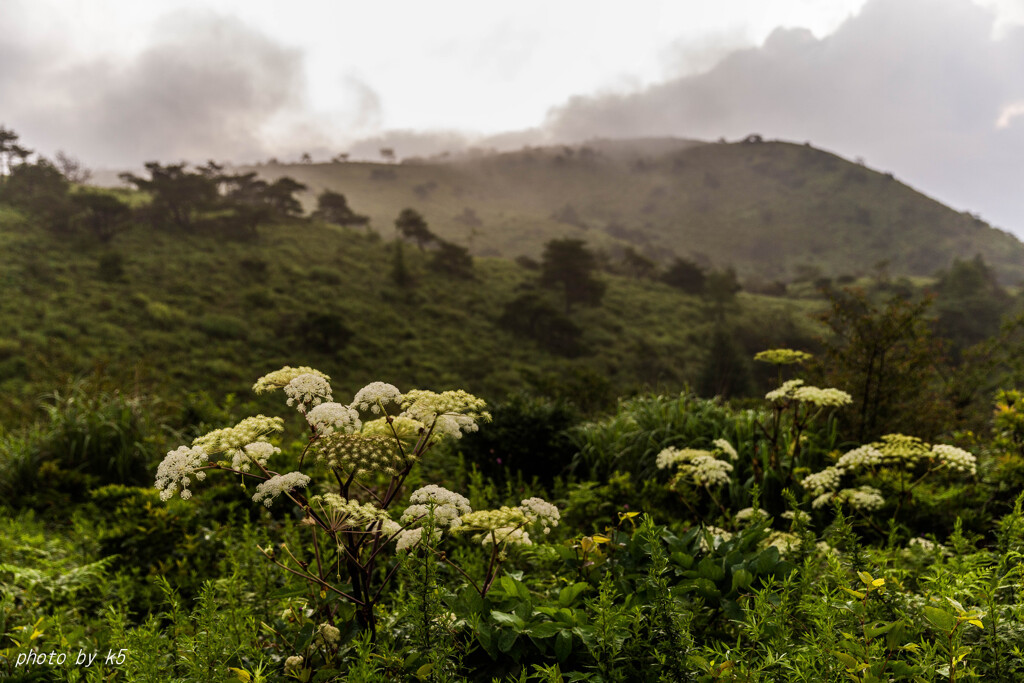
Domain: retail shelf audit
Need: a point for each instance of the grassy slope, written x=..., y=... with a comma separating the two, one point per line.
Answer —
x=765, y=208
x=195, y=313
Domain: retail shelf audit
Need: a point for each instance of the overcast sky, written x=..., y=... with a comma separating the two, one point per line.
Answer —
x=930, y=90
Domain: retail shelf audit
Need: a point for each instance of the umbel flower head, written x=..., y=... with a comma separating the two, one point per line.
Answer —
x=445, y=506
x=306, y=391
x=375, y=396
x=796, y=390
x=278, y=484
x=278, y=379
x=331, y=417
x=177, y=469
x=783, y=356
x=361, y=452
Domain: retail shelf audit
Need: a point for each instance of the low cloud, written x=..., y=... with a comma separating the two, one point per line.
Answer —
x=206, y=86
x=918, y=87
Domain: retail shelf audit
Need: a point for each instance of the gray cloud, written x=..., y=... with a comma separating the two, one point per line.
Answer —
x=916, y=87
x=205, y=87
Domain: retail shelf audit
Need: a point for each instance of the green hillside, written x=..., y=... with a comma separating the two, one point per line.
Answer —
x=193, y=312
x=771, y=209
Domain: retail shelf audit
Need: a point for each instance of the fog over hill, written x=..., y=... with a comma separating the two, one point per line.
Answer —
x=770, y=209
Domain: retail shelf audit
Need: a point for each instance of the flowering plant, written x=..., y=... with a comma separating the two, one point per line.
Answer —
x=348, y=478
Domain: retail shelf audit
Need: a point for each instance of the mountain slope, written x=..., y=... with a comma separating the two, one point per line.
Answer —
x=771, y=209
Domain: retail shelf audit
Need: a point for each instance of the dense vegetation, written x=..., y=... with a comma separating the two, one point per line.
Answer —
x=628, y=493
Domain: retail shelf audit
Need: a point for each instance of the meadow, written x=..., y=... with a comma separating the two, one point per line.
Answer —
x=249, y=444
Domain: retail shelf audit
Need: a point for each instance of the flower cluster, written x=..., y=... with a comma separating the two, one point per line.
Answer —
x=783, y=540
x=718, y=536
x=955, y=458
x=540, y=512
x=278, y=484
x=863, y=457
x=705, y=470
x=500, y=522
x=330, y=417
x=451, y=412
x=783, y=356
x=410, y=538
x=278, y=379
x=293, y=665
x=307, y=390
x=672, y=456
x=246, y=432
x=446, y=507
x=507, y=535
x=375, y=396
x=725, y=448
x=827, y=480
x=359, y=452
x=892, y=450
x=796, y=390
x=750, y=515
x=405, y=428
x=258, y=452
x=863, y=498
x=695, y=466
x=177, y=469
x=329, y=634
x=348, y=513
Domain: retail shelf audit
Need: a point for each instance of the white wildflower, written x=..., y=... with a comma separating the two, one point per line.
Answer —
x=796, y=516
x=257, y=451
x=231, y=439
x=307, y=390
x=822, y=397
x=785, y=391
x=461, y=411
x=750, y=515
x=293, y=665
x=820, y=482
x=270, y=489
x=860, y=458
x=410, y=538
x=718, y=536
x=955, y=458
x=672, y=456
x=507, y=535
x=176, y=469
x=330, y=417
x=706, y=470
x=279, y=378
x=922, y=544
x=375, y=395
x=726, y=448
x=329, y=633
x=540, y=512
x=864, y=498
x=783, y=540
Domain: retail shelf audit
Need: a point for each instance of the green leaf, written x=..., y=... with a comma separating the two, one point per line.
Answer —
x=879, y=629
x=939, y=618
x=567, y=595
x=506, y=619
x=513, y=587
x=424, y=671
x=847, y=661
x=856, y=594
x=741, y=579
x=563, y=645
x=506, y=640
x=545, y=629
x=710, y=569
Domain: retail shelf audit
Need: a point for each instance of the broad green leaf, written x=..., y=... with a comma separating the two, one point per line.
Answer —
x=563, y=645
x=567, y=595
x=506, y=619
x=939, y=618
x=545, y=629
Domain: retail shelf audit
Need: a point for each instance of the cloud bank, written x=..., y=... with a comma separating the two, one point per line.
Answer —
x=917, y=87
